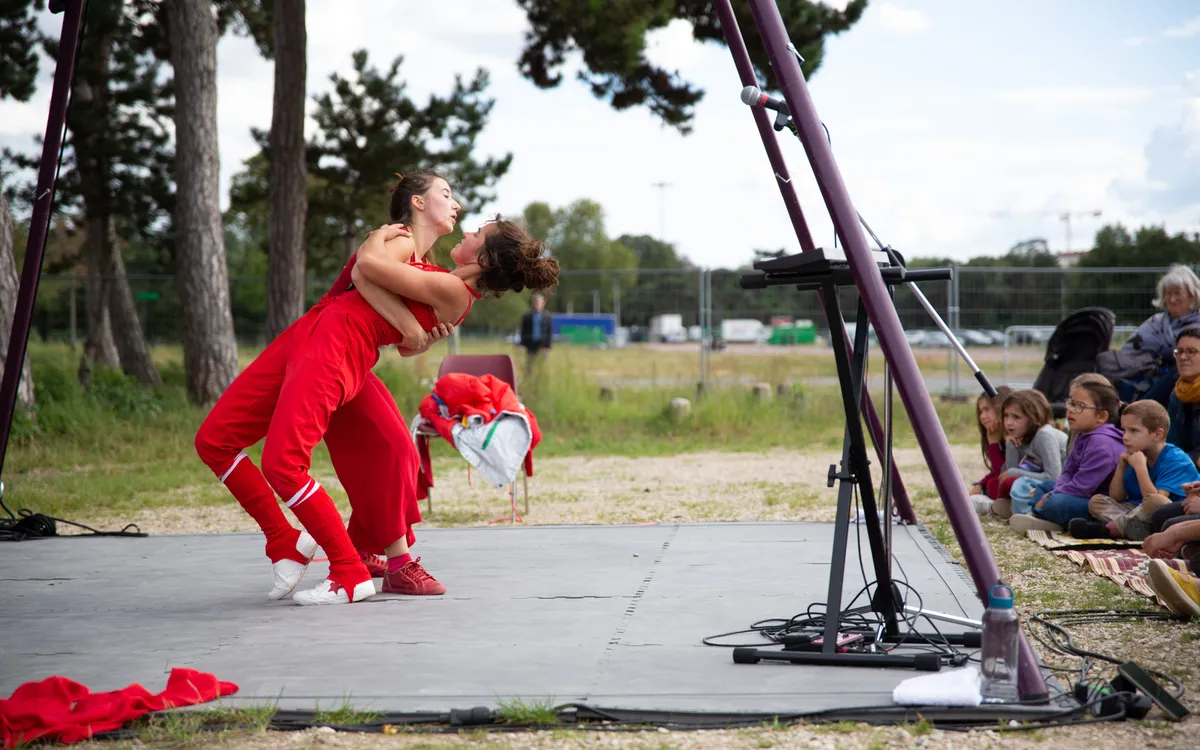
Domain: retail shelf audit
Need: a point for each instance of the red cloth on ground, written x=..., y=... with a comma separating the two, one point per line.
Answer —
x=64, y=710
x=466, y=396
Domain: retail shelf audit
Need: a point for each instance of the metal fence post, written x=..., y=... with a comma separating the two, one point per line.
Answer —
x=700, y=321
x=955, y=319
x=616, y=302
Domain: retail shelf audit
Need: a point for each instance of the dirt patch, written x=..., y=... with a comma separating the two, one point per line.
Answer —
x=776, y=485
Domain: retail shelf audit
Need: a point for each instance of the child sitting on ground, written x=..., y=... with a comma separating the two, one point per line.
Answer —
x=1151, y=473
x=1096, y=448
x=991, y=444
x=1034, y=448
x=1179, y=536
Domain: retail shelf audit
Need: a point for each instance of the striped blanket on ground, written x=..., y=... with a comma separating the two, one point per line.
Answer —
x=1125, y=567
x=1054, y=540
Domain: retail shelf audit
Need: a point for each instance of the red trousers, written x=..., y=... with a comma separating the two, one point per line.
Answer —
x=313, y=382
x=999, y=488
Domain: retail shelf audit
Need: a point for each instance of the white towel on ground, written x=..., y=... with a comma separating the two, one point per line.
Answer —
x=955, y=687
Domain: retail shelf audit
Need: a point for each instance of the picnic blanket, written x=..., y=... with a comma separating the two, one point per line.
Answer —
x=1055, y=540
x=1125, y=567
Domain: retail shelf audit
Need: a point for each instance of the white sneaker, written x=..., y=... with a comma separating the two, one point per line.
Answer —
x=328, y=592
x=289, y=572
x=982, y=503
x=1026, y=522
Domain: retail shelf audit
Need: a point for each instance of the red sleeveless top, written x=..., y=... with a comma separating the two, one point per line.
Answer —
x=424, y=313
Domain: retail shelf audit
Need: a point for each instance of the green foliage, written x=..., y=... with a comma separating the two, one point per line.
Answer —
x=118, y=161
x=612, y=39
x=575, y=235
x=18, y=58
x=368, y=130
x=1147, y=247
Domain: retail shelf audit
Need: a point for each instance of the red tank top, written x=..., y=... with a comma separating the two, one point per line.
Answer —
x=423, y=312
x=387, y=335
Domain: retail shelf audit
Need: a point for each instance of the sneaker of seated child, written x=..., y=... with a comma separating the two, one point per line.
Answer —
x=1180, y=591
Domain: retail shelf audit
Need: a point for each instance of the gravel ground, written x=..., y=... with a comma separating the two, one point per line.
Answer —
x=772, y=486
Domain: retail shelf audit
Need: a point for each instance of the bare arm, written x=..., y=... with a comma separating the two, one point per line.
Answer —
x=386, y=265
x=392, y=309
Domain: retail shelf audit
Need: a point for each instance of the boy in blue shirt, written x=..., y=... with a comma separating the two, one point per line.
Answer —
x=1150, y=473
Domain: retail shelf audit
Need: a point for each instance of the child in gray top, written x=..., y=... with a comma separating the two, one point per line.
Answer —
x=1035, y=447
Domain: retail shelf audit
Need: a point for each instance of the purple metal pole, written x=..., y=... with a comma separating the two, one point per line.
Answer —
x=882, y=313
x=39, y=225
x=745, y=68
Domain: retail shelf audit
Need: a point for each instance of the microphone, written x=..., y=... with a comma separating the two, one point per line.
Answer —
x=754, y=97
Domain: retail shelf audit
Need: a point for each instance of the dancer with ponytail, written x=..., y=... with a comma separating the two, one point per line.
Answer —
x=321, y=364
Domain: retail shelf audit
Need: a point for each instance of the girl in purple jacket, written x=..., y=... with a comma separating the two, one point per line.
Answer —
x=1093, y=409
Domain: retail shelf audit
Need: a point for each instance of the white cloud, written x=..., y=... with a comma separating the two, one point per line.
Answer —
x=1188, y=28
x=1134, y=41
x=1070, y=97
x=901, y=20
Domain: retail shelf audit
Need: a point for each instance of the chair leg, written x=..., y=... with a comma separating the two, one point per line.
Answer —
x=512, y=501
x=525, y=481
x=429, y=501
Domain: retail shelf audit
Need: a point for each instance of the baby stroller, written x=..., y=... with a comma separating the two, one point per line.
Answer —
x=1073, y=348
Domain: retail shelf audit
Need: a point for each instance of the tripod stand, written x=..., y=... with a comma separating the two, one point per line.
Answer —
x=869, y=279
x=817, y=270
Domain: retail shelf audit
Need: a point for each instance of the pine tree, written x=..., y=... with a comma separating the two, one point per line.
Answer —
x=368, y=130
x=612, y=39
x=114, y=178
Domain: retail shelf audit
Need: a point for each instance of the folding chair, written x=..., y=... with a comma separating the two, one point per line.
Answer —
x=501, y=367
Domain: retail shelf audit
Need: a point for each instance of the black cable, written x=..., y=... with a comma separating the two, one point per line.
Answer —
x=26, y=524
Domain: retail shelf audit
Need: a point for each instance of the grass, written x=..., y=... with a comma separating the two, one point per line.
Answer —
x=344, y=714
x=120, y=448
x=534, y=713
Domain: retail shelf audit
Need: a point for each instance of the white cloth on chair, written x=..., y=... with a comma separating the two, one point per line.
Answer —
x=497, y=448
x=955, y=687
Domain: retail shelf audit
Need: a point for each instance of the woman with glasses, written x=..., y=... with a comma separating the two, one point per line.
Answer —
x=1185, y=397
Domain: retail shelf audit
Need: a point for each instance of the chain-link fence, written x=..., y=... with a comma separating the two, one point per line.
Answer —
x=698, y=325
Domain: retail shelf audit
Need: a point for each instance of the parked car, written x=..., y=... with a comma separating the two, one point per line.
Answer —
x=938, y=339
x=974, y=338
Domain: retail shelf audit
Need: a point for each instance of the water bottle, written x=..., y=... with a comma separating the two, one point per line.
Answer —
x=1001, y=629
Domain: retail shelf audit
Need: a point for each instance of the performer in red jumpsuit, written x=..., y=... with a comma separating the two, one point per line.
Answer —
x=322, y=363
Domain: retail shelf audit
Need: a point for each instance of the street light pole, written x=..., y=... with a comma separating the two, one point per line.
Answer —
x=662, y=209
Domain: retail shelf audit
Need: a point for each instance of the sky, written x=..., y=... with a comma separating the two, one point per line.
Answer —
x=959, y=128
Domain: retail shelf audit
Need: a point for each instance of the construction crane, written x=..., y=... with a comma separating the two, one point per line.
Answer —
x=1064, y=216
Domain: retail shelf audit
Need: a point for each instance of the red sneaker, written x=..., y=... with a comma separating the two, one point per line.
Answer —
x=376, y=565
x=412, y=580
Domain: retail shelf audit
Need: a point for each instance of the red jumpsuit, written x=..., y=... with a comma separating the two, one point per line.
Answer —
x=315, y=381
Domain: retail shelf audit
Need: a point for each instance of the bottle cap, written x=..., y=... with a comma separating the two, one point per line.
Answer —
x=1000, y=597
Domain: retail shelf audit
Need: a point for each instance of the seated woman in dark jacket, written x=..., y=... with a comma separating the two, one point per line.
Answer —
x=1179, y=297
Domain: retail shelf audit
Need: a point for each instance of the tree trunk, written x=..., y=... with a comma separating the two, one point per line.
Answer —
x=9, y=285
x=350, y=239
x=126, y=328
x=289, y=189
x=99, y=348
x=98, y=344
x=209, y=346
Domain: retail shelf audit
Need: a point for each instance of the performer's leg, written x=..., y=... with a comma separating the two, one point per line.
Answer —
x=328, y=370
x=376, y=459
x=237, y=421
